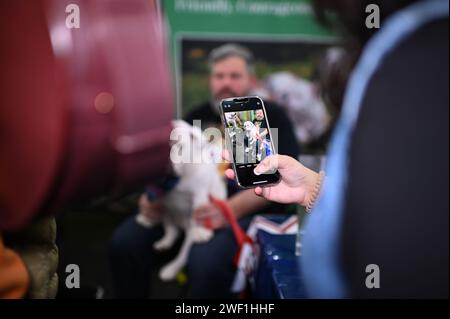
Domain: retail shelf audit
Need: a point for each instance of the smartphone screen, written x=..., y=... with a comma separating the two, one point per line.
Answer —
x=249, y=139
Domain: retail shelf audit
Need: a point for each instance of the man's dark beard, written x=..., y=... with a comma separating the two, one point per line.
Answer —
x=227, y=92
x=215, y=102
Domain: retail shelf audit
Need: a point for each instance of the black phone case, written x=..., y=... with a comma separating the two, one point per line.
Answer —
x=229, y=146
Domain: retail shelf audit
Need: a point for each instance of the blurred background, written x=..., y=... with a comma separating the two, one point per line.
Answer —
x=86, y=102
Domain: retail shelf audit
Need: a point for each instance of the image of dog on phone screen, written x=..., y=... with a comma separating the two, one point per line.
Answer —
x=249, y=136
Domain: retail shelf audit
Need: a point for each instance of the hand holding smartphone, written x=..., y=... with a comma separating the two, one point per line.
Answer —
x=248, y=139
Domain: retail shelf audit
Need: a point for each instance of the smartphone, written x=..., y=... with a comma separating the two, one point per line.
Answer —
x=248, y=139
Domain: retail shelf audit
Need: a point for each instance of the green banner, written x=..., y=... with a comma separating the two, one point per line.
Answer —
x=253, y=17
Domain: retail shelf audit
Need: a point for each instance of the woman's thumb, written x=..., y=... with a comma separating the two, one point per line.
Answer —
x=268, y=166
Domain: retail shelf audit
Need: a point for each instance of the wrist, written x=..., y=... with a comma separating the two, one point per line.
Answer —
x=314, y=190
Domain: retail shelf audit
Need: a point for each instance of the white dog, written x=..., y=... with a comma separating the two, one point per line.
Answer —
x=251, y=130
x=196, y=182
x=304, y=106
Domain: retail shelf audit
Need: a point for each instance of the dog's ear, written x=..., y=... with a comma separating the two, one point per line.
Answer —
x=180, y=124
x=195, y=131
x=249, y=124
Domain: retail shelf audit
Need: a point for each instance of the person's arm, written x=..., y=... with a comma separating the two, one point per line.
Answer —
x=246, y=202
x=262, y=135
x=298, y=185
x=238, y=119
x=242, y=204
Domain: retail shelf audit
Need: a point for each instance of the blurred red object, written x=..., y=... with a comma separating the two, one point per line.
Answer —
x=83, y=111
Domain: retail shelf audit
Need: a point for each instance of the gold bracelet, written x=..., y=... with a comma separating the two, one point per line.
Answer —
x=315, y=192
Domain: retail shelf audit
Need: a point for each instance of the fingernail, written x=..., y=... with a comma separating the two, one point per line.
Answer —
x=255, y=171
